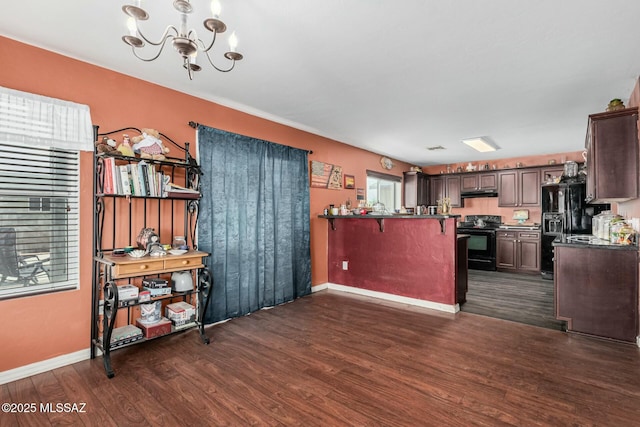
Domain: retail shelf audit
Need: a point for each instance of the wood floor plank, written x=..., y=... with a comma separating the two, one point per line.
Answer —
x=522, y=298
x=123, y=410
x=51, y=394
x=94, y=414
x=7, y=417
x=340, y=359
x=24, y=392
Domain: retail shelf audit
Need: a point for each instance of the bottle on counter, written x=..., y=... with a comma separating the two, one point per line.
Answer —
x=621, y=233
x=601, y=224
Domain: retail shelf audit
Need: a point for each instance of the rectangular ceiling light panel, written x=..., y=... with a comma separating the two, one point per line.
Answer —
x=480, y=144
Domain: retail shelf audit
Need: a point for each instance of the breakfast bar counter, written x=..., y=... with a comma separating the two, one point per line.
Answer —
x=413, y=258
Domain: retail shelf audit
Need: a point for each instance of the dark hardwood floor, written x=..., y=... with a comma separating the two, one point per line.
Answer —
x=520, y=298
x=334, y=359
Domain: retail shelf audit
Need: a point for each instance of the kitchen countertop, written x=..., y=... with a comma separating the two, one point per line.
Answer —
x=390, y=216
x=589, y=241
x=516, y=226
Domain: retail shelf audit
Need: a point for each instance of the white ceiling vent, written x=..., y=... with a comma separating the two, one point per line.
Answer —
x=436, y=147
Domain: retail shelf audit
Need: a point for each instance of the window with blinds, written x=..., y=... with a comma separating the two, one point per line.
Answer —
x=39, y=221
x=384, y=188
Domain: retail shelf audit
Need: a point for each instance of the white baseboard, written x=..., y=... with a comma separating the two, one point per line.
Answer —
x=318, y=288
x=389, y=297
x=43, y=366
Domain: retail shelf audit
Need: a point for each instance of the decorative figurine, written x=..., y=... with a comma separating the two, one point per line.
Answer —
x=125, y=148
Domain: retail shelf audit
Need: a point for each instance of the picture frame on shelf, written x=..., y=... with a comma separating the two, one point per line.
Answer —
x=349, y=181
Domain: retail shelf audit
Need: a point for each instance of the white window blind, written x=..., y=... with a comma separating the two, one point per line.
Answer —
x=40, y=140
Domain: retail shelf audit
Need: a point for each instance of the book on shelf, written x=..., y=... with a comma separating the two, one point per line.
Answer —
x=107, y=178
x=117, y=179
x=151, y=178
x=125, y=179
x=174, y=190
x=144, y=179
x=135, y=179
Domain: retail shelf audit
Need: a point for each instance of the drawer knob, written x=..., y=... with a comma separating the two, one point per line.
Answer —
x=185, y=261
x=143, y=267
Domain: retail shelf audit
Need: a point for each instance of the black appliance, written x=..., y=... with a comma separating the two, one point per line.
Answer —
x=564, y=211
x=482, y=240
x=478, y=193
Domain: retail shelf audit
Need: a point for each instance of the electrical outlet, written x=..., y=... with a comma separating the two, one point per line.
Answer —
x=345, y=265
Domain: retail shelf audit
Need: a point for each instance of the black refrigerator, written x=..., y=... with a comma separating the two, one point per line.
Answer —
x=564, y=211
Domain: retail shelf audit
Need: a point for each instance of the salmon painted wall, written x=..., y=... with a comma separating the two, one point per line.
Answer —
x=489, y=205
x=38, y=328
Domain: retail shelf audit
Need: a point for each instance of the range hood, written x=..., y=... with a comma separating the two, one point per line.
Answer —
x=479, y=193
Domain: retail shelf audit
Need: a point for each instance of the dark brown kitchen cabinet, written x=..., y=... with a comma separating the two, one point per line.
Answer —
x=612, y=156
x=446, y=186
x=548, y=174
x=596, y=290
x=519, y=188
x=479, y=181
x=452, y=184
x=416, y=189
x=518, y=251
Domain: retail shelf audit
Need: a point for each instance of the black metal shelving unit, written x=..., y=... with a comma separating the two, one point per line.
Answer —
x=117, y=220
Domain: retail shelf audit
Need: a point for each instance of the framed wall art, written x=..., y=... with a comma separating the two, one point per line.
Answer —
x=349, y=181
x=326, y=175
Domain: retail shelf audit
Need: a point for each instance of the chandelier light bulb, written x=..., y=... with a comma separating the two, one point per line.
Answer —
x=132, y=26
x=216, y=8
x=233, y=42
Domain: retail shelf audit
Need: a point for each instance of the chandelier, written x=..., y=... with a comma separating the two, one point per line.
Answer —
x=185, y=40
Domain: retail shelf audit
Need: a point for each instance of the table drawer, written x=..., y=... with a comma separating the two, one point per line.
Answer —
x=185, y=263
x=137, y=268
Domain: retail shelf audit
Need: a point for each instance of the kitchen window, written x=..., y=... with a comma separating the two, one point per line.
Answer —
x=384, y=188
x=40, y=143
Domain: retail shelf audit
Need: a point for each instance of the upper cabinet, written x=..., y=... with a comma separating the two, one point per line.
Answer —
x=416, y=189
x=446, y=186
x=612, y=156
x=551, y=173
x=519, y=188
x=479, y=181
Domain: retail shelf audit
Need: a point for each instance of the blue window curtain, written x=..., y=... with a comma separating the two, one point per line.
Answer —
x=254, y=220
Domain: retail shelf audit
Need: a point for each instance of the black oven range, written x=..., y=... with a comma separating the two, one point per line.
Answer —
x=482, y=240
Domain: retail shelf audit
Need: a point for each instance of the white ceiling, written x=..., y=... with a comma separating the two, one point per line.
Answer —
x=392, y=77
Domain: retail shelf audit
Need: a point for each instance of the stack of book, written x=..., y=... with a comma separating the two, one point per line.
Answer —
x=141, y=179
x=176, y=191
x=133, y=179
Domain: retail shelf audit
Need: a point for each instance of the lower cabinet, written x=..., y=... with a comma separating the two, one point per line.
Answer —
x=518, y=251
x=596, y=290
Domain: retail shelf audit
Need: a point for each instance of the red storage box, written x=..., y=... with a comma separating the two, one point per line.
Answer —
x=154, y=330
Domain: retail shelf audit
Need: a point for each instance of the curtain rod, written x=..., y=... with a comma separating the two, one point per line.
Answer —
x=195, y=125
